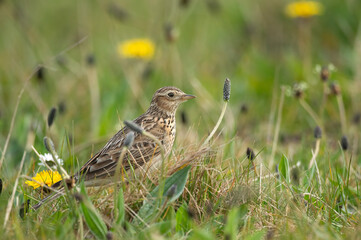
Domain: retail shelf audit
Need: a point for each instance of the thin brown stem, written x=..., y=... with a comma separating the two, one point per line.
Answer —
x=341, y=108
x=314, y=162
x=119, y=168
x=217, y=124
x=14, y=115
x=317, y=149
x=309, y=110
x=273, y=110
x=324, y=100
x=278, y=126
x=11, y=200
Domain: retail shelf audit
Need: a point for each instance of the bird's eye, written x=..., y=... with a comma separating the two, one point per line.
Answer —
x=170, y=94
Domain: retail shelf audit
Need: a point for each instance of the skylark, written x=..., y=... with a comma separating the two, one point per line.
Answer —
x=158, y=120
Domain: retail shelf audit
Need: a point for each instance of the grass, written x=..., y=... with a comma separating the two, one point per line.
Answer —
x=63, y=55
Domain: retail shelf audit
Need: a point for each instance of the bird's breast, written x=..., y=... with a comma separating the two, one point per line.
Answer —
x=169, y=126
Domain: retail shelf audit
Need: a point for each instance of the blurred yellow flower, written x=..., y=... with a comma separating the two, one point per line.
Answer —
x=137, y=48
x=303, y=9
x=45, y=177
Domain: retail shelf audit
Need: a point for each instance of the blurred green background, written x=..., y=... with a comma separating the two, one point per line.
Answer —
x=65, y=55
x=198, y=43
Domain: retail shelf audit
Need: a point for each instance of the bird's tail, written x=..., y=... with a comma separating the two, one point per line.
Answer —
x=48, y=199
x=58, y=186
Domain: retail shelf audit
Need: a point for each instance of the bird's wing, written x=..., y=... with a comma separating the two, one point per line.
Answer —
x=104, y=163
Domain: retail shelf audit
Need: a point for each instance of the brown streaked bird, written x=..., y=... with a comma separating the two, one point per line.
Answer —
x=158, y=120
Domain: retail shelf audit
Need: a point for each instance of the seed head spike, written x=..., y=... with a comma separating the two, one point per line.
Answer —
x=227, y=90
x=250, y=154
x=335, y=88
x=344, y=143
x=317, y=133
x=40, y=73
x=51, y=116
x=24, y=209
x=324, y=74
x=90, y=60
x=171, y=191
x=133, y=126
x=49, y=145
x=129, y=139
x=109, y=235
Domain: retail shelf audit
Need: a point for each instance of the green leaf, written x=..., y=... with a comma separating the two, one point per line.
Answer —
x=179, y=179
x=232, y=225
x=259, y=235
x=309, y=176
x=235, y=217
x=119, y=207
x=163, y=227
x=243, y=210
x=91, y=216
x=131, y=229
x=152, y=205
x=183, y=223
x=283, y=168
x=201, y=234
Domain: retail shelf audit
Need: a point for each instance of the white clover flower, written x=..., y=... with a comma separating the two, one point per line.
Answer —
x=47, y=157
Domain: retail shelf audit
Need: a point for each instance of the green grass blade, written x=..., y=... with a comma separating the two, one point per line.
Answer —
x=152, y=205
x=119, y=207
x=284, y=168
x=92, y=218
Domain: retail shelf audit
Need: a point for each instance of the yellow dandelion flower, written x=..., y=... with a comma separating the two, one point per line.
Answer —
x=137, y=48
x=304, y=9
x=45, y=177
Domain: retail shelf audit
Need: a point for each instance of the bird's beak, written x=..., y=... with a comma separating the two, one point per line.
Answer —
x=186, y=97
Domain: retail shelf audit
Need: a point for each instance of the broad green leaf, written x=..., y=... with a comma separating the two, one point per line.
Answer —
x=179, y=178
x=163, y=227
x=170, y=214
x=235, y=217
x=283, y=168
x=131, y=230
x=243, y=210
x=183, y=223
x=92, y=218
x=232, y=225
x=153, y=204
x=259, y=235
x=201, y=234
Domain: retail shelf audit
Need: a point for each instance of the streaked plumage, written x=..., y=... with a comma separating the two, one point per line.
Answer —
x=158, y=120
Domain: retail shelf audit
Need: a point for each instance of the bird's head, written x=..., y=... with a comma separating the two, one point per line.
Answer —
x=167, y=99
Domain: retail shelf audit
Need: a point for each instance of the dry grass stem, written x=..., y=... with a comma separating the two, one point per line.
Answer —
x=324, y=100
x=278, y=126
x=341, y=108
x=11, y=200
x=309, y=110
x=44, y=162
x=273, y=110
x=217, y=124
x=14, y=116
x=274, y=175
x=315, y=154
